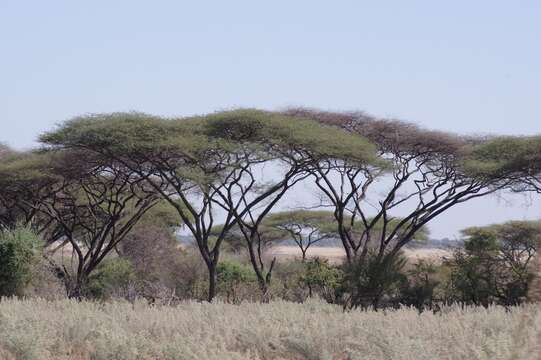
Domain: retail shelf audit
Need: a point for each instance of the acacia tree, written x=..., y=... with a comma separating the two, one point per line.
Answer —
x=206, y=166
x=425, y=174
x=304, y=227
x=294, y=144
x=91, y=204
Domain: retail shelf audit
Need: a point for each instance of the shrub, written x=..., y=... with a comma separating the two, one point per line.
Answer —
x=20, y=251
x=419, y=288
x=112, y=278
x=371, y=280
x=494, y=266
x=233, y=276
x=321, y=278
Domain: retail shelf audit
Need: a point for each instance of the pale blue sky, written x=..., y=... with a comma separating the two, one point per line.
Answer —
x=464, y=66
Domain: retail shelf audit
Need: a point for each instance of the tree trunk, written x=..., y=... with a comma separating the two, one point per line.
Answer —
x=265, y=295
x=74, y=289
x=212, y=281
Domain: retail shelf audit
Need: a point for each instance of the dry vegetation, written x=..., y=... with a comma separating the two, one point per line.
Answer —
x=36, y=329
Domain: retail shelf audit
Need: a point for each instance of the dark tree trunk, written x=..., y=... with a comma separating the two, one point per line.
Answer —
x=303, y=254
x=212, y=281
x=74, y=289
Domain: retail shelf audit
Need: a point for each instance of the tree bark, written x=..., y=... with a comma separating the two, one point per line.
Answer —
x=212, y=281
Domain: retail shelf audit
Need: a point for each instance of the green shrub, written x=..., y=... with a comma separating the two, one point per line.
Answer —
x=20, y=251
x=233, y=276
x=321, y=278
x=494, y=266
x=370, y=281
x=112, y=278
x=419, y=289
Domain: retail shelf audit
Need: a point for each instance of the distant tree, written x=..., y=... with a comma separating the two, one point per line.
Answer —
x=304, y=227
x=495, y=264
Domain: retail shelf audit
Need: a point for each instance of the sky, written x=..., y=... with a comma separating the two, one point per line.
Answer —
x=461, y=66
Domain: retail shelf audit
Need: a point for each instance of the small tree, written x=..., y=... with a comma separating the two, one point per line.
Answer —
x=304, y=227
x=20, y=252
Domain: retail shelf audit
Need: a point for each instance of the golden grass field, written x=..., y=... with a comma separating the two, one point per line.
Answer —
x=61, y=330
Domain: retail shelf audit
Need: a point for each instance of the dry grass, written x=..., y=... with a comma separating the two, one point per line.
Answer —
x=37, y=329
x=337, y=254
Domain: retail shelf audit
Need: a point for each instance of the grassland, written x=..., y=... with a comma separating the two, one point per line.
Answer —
x=37, y=329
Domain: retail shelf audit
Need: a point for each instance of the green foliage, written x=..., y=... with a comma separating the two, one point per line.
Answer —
x=494, y=266
x=111, y=278
x=371, y=280
x=20, y=251
x=420, y=285
x=127, y=133
x=506, y=156
x=195, y=138
x=162, y=215
x=322, y=278
x=26, y=168
x=231, y=272
x=232, y=277
x=287, y=132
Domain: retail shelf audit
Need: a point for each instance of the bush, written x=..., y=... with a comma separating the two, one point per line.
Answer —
x=321, y=278
x=233, y=278
x=20, y=251
x=370, y=281
x=419, y=288
x=164, y=268
x=112, y=278
x=494, y=266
